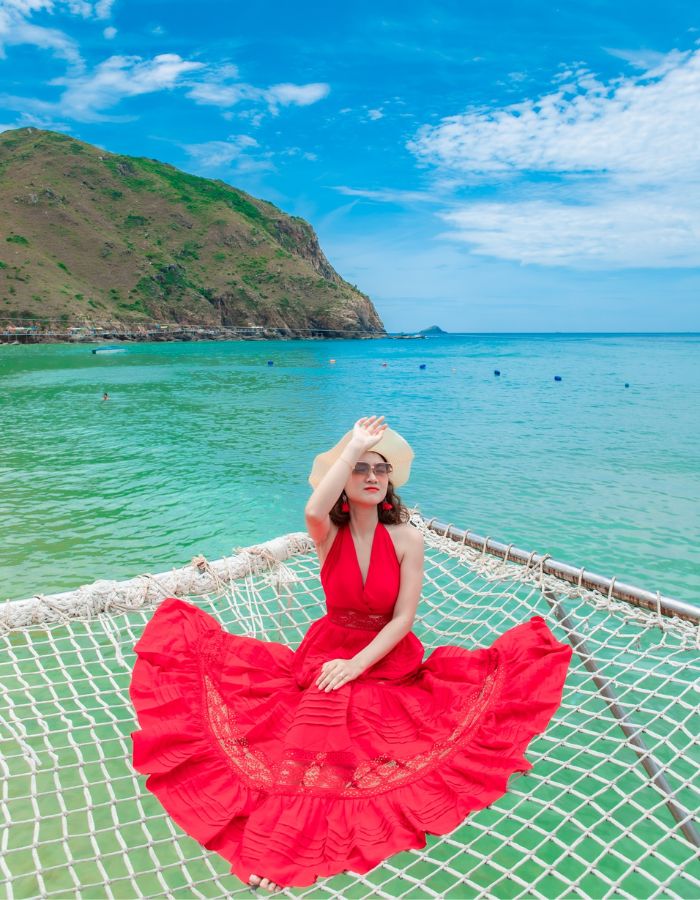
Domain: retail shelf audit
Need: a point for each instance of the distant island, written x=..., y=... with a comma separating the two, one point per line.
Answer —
x=418, y=335
x=97, y=245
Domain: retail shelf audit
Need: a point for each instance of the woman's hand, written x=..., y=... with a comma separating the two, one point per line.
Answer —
x=368, y=431
x=337, y=672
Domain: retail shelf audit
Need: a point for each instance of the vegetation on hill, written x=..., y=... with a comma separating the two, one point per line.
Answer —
x=91, y=236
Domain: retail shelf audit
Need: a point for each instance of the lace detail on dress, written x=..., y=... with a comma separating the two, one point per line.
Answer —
x=356, y=618
x=335, y=773
x=210, y=650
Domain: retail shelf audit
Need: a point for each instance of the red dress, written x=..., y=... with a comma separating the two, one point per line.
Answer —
x=291, y=783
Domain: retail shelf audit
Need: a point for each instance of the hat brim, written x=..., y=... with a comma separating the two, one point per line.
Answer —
x=394, y=448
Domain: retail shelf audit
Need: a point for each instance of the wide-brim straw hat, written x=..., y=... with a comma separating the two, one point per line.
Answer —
x=391, y=445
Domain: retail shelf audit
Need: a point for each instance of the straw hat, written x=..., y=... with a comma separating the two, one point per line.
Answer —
x=391, y=445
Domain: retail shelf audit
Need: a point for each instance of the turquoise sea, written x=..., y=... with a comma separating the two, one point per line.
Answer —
x=204, y=447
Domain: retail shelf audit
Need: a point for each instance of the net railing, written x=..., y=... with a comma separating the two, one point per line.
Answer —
x=606, y=811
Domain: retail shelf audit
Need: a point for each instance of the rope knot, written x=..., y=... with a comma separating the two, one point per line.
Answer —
x=201, y=563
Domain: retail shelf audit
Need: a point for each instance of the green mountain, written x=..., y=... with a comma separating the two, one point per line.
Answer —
x=92, y=237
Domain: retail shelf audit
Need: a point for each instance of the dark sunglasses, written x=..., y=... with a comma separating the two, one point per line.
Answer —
x=362, y=468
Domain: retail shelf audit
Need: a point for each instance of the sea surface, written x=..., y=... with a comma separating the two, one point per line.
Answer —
x=205, y=447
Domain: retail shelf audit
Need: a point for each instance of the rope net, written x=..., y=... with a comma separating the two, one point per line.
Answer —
x=604, y=812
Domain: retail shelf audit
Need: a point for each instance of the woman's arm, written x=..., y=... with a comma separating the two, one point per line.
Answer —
x=366, y=433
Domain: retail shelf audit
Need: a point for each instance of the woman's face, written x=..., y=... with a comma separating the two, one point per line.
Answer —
x=370, y=488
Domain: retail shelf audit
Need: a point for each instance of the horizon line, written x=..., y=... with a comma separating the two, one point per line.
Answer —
x=619, y=333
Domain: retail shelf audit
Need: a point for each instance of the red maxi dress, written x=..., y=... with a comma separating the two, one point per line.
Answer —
x=292, y=783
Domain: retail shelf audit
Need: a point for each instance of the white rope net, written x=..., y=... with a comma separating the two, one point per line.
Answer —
x=605, y=811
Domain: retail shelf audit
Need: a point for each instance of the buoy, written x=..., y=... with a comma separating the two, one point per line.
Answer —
x=557, y=377
x=331, y=361
x=270, y=362
x=422, y=366
x=496, y=371
x=627, y=384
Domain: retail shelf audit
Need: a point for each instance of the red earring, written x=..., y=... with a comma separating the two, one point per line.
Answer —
x=345, y=507
x=387, y=505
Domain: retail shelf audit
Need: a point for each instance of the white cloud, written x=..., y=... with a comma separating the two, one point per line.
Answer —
x=78, y=8
x=29, y=119
x=299, y=152
x=213, y=154
x=375, y=114
x=620, y=232
x=254, y=117
x=103, y=8
x=240, y=152
x=297, y=94
x=212, y=93
x=622, y=167
x=386, y=195
x=86, y=95
x=220, y=87
x=17, y=29
x=640, y=59
x=243, y=153
x=646, y=124
x=29, y=106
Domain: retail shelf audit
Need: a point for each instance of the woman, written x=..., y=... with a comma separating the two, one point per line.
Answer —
x=299, y=764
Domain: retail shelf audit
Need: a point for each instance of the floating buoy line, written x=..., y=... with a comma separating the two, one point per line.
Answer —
x=332, y=362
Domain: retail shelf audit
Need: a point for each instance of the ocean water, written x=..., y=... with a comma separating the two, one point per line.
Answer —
x=204, y=447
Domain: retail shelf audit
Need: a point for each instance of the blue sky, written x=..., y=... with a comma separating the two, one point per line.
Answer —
x=482, y=166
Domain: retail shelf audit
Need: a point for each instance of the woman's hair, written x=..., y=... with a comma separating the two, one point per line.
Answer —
x=397, y=514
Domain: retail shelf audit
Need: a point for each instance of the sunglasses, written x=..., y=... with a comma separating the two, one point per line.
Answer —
x=362, y=468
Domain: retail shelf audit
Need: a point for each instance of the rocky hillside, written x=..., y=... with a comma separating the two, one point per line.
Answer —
x=92, y=237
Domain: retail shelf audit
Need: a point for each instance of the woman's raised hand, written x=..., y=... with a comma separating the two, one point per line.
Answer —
x=368, y=431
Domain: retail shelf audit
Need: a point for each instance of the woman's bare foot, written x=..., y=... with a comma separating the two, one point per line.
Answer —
x=270, y=886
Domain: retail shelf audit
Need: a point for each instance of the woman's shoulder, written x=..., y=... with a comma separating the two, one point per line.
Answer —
x=406, y=538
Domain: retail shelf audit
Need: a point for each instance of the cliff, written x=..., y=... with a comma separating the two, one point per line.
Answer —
x=97, y=238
